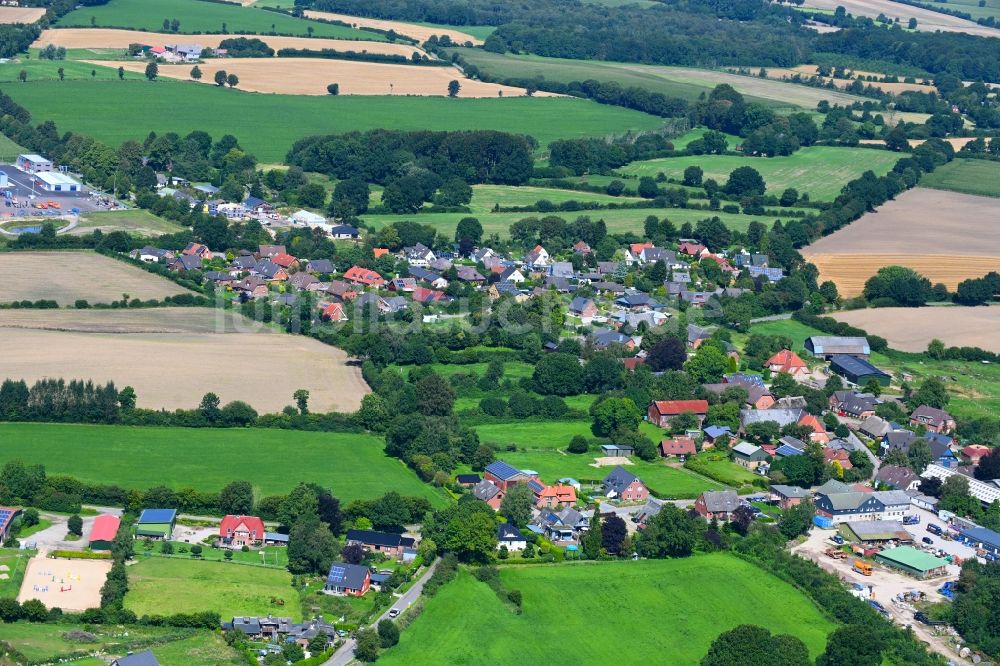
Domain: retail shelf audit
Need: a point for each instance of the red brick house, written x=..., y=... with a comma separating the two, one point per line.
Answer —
x=197, y=250
x=364, y=276
x=818, y=433
x=621, y=484
x=661, y=412
x=239, y=531
x=389, y=544
x=719, y=505
x=787, y=361
x=935, y=420
x=334, y=312
x=693, y=249
x=286, y=261
x=503, y=476
x=678, y=446
x=552, y=497
x=351, y=580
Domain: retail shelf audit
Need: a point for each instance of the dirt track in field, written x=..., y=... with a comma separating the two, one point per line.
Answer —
x=109, y=38
x=67, y=276
x=927, y=20
x=420, y=32
x=21, y=14
x=946, y=236
x=911, y=329
x=310, y=76
x=173, y=356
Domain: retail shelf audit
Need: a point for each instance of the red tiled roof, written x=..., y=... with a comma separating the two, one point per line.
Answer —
x=674, y=407
x=678, y=446
x=253, y=524
x=562, y=493
x=334, y=312
x=105, y=527
x=692, y=249
x=787, y=360
x=812, y=422
x=363, y=276
x=284, y=260
x=380, y=251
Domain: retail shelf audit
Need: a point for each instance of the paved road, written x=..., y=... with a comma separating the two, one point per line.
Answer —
x=345, y=654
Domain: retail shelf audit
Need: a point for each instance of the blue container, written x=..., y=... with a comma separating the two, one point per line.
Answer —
x=822, y=522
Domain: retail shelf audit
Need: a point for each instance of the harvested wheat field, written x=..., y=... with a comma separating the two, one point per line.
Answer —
x=810, y=70
x=910, y=329
x=21, y=14
x=420, y=32
x=946, y=236
x=310, y=76
x=67, y=276
x=956, y=142
x=173, y=356
x=108, y=38
x=927, y=20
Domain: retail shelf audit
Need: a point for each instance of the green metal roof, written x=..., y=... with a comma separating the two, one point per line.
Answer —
x=913, y=558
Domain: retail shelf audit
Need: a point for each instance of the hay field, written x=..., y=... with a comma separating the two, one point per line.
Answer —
x=67, y=276
x=73, y=585
x=927, y=20
x=110, y=38
x=420, y=32
x=21, y=14
x=947, y=236
x=173, y=356
x=910, y=329
x=310, y=76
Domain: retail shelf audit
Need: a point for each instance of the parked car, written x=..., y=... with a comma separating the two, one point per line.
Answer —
x=933, y=529
x=394, y=613
x=928, y=540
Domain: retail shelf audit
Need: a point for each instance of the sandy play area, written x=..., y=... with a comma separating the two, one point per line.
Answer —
x=73, y=585
x=310, y=76
x=108, y=38
x=421, y=32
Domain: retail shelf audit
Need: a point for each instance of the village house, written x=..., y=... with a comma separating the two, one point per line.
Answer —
x=717, y=505
x=715, y=436
x=341, y=291
x=661, y=412
x=678, y=446
x=788, y=496
x=552, y=497
x=897, y=477
x=620, y=484
x=334, y=312
x=351, y=580
x=270, y=251
x=936, y=420
x=394, y=546
x=419, y=255
x=842, y=503
x=239, y=531
x=504, y=476
x=488, y=492
x=510, y=537
x=364, y=276
x=749, y=456
x=585, y=308
x=787, y=361
x=537, y=258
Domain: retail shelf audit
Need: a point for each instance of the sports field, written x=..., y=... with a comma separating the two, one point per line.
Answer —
x=310, y=76
x=135, y=221
x=966, y=176
x=196, y=16
x=946, y=236
x=419, y=32
x=163, y=586
x=116, y=111
x=352, y=465
x=111, y=38
x=618, y=220
x=683, y=82
x=820, y=171
x=198, y=349
x=619, y=607
x=67, y=276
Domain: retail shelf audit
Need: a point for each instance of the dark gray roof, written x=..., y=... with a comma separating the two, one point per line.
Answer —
x=833, y=344
x=508, y=532
x=721, y=500
x=485, y=490
x=854, y=365
x=619, y=479
x=320, y=266
x=138, y=659
x=375, y=538
x=351, y=576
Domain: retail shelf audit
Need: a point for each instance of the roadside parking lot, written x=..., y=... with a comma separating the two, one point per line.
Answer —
x=22, y=189
x=919, y=532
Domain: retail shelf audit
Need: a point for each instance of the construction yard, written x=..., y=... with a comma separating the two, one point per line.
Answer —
x=946, y=236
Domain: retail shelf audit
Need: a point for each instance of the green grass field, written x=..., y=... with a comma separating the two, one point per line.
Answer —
x=657, y=612
x=8, y=149
x=534, y=434
x=163, y=586
x=115, y=111
x=135, y=221
x=820, y=171
x=352, y=465
x=966, y=176
x=484, y=197
x=45, y=641
x=665, y=482
x=617, y=220
x=684, y=82
x=16, y=561
x=511, y=369
x=200, y=17
x=723, y=469
x=273, y=556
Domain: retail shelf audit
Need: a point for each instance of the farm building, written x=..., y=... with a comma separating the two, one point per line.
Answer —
x=103, y=532
x=981, y=537
x=348, y=579
x=876, y=531
x=913, y=561
x=661, y=412
x=156, y=523
x=7, y=516
x=275, y=539
x=857, y=370
x=747, y=455
x=31, y=163
x=826, y=346
x=56, y=182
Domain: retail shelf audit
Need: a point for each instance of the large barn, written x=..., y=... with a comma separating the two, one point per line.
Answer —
x=103, y=532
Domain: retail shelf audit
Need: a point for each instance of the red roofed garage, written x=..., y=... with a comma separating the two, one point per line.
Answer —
x=103, y=532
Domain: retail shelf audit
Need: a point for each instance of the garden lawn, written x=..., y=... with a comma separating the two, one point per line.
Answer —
x=16, y=561
x=966, y=176
x=662, y=481
x=651, y=611
x=352, y=465
x=619, y=220
x=45, y=641
x=196, y=16
x=115, y=111
x=723, y=470
x=274, y=556
x=42, y=524
x=820, y=171
x=163, y=586
x=485, y=197
x=534, y=434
